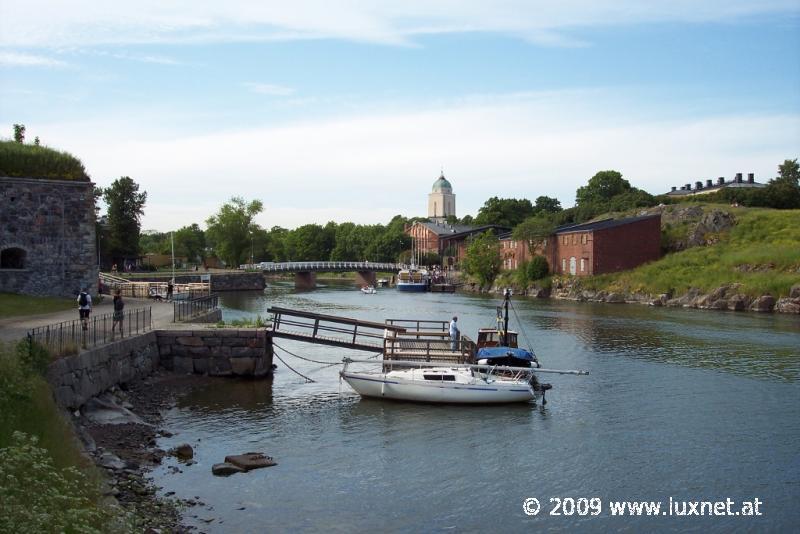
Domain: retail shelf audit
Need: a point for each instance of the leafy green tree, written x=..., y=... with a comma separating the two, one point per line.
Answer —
x=482, y=258
x=467, y=220
x=230, y=231
x=276, y=244
x=190, y=241
x=307, y=243
x=125, y=209
x=545, y=204
x=534, y=230
x=788, y=173
x=36, y=141
x=602, y=187
x=504, y=211
x=154, y=242
x=19, y=133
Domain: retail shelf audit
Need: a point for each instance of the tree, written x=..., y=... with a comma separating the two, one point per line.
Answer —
x=190, y=241
x=19, y=133
x=534, y=230
x=788, y=173
x=546, y=205
x=36, y=141
x=482, y=258
x=467, y=220
x=307, y=243
x=125, y=209
x=230, y=231
x=602, y=187
x=537, y=268
x=504, y=211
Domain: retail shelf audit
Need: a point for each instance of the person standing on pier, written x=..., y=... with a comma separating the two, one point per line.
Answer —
x=84, y=307
x=454, y=334
x=119, y=314
x=169, y=290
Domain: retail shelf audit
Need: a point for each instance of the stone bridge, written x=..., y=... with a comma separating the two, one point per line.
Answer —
x=305, y=271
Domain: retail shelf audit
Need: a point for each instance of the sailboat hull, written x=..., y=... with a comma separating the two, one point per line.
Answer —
x=388, y=387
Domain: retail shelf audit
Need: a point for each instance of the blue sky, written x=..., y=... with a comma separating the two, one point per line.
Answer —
x=346, y=111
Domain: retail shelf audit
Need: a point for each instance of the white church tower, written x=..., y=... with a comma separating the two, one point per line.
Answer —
x=441, y=200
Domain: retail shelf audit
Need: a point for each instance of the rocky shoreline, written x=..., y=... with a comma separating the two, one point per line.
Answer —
x=119, y=431
x=724, y=298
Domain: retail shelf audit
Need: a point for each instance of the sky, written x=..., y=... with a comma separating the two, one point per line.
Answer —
x=348, y=110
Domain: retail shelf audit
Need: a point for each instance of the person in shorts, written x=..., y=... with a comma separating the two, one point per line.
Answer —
x=84, y=307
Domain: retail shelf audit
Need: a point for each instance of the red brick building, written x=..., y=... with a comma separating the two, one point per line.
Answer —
x=447, y=240
x=592, y=248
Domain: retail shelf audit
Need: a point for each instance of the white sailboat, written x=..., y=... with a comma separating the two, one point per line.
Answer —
x=438, y=383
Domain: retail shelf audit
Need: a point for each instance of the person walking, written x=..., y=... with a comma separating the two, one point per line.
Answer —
x=119, y=314
x=84, y=307
x=454, y=334
x=169, y=290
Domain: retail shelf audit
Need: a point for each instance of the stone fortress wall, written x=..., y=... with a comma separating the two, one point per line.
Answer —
x=47, y=237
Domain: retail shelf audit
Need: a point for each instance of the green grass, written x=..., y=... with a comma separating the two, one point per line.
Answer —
x=762, y=253
x=13, y=305
x=31, y=161
x=45, y=483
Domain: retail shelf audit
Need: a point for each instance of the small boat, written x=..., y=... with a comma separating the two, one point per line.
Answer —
x=458, y=384
x=413, y=279
x=369, y=290
x=383, y=282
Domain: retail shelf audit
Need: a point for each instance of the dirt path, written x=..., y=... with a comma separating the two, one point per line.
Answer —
x=14, y=328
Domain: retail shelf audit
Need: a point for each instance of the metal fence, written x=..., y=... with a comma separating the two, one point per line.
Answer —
x=186, y=310
x=69, y=337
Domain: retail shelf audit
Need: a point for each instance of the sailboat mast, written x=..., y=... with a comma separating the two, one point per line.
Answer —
x=507, y=296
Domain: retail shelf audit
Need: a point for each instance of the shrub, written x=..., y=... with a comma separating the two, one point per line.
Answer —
x=39, y=497
x=537, y=268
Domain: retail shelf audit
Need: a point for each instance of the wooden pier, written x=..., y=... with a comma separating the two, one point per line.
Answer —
x=396, y=339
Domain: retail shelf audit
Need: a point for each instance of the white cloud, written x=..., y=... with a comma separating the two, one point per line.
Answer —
x=15, y=59
x=269, y=89
x=369, y=168
x=88, y=22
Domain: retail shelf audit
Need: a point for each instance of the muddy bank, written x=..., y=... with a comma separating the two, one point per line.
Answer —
x=119, y=430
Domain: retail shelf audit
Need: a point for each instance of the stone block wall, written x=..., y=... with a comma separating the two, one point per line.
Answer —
x=216, y=351
x=52, y=223
x=76, y=379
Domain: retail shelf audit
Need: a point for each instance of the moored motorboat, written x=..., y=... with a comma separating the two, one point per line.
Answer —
x=413, y=279
x=369, y=290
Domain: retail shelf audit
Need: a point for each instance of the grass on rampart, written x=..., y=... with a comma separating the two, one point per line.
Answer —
x=761, y=252
x=45, y=484
x=13, y=305
x=31, y=161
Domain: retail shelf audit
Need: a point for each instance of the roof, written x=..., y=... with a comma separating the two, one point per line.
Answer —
x=459, y=230
x=602, y=224
x=442, y=184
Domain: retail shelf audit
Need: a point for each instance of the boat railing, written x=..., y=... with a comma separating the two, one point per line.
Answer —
x=433, y=348
x=420, y=325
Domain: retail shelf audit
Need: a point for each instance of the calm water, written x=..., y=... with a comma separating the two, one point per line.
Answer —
x=684, y=404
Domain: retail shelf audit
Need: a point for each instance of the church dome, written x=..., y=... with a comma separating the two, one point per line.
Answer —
x=441, y=184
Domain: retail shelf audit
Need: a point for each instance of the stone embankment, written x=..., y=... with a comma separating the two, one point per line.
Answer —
x=726, y=297
x=216, y=351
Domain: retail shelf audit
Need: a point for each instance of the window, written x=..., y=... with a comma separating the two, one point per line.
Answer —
x=443, y=378
x=563, y=265
x=583, y=265
x=12, y=258
x=584, y=240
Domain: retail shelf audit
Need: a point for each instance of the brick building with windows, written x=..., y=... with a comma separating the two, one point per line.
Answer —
x=592, y=248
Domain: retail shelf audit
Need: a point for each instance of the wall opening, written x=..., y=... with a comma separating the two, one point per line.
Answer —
x=12, y=258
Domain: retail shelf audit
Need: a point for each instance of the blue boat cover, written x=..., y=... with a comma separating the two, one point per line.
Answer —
x=489, y=353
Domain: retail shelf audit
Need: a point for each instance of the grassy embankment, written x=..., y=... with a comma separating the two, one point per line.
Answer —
x=45, y=483
x=13, y=305
x=761, y=252
x=31, y=161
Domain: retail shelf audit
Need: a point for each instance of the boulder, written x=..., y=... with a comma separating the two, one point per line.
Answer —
x=615, y=298
x=788, y=305
x=738, y=302
x=225, y=469
x=183, y=451
x=110, y=461
x=686, y=300
x=103, y=410
x=795, y=292
x=764, y=303
x=250, y=460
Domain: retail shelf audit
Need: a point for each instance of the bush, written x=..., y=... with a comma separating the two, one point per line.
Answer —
x=39, y=497
x=537, y=268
